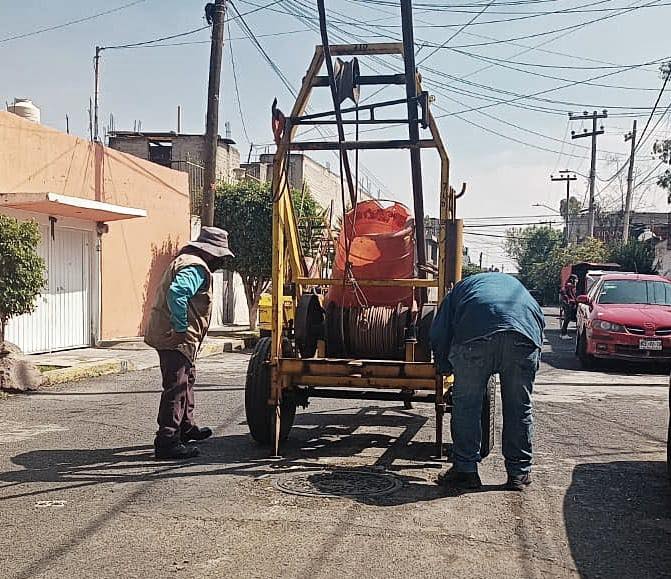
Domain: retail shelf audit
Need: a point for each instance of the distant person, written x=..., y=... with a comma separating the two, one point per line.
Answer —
x=177, y=326
x=489, y=324
x=568, y=303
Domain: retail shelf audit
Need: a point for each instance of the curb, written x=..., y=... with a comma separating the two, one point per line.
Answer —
x=86, y=370
x=121, y=366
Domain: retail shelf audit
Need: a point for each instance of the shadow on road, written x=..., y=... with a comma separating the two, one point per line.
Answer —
x=618, y=519
x=315, y=437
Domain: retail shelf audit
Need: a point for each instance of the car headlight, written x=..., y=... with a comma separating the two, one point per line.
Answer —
x=608, y=326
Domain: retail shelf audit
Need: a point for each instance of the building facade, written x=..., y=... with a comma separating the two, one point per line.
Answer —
x=110, y=224
x=645, y=226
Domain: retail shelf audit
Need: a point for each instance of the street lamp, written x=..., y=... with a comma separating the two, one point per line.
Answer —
x=546, y=207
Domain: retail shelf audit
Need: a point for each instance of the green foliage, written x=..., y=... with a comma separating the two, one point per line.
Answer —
x=22, y=270
x=574, y=207
x=470, y=269
x=245, y=210
x=638, y=256
x=663, y=148
x=531, y=248
x=540, y=256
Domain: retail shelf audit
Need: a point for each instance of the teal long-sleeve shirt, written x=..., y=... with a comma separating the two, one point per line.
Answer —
x=482, y=305
x=186, y=284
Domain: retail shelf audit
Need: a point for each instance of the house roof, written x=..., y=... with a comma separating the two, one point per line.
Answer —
x=162, y=136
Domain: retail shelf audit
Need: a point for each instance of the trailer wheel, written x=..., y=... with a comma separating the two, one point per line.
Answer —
x=260, y=414
x=668, y=440
x=488, y=418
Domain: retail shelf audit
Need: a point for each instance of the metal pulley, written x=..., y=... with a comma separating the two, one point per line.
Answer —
x=346, y=74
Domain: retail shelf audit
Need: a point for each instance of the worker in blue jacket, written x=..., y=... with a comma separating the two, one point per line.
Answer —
x=489, y=324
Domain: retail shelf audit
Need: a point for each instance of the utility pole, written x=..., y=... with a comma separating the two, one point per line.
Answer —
x=216, y=13
x=96, y=93
x=592, y=170
x=568, y=178
x=630, y=181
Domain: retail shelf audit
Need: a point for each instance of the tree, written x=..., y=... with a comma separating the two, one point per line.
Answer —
x=638, y=256
x=22, y=270
x=540, y=256
x=470, y=269
x=574, y=207
x=245, y=210
x=663, y=148
x=531, y=248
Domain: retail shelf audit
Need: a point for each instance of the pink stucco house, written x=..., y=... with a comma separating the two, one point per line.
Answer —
x=110, y=223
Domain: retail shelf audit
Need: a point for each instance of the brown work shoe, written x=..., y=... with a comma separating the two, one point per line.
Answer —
x=195, y=433
x=518, y=482
x=460, y=480
x=174, y=451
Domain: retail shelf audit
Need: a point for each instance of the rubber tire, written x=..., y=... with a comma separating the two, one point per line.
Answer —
x=668, y=440
x=488, y=418
x=260, y=414
x=586, y=360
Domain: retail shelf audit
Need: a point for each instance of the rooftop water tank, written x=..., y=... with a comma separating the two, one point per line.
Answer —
x=26, y=109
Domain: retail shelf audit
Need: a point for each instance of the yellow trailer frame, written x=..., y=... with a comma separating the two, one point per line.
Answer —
x=288, y=267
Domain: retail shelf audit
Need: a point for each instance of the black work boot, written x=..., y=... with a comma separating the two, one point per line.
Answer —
x=173, y=449
x=460, y=480
x=195, y=433
x=518, y=482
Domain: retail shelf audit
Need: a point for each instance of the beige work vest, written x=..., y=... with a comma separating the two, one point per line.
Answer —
x=199, y=311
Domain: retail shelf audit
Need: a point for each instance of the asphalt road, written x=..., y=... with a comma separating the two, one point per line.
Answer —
x=80, y=495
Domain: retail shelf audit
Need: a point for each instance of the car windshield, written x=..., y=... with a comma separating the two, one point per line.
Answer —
x=635, y=292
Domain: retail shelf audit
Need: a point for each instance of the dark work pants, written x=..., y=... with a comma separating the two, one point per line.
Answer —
x=569, y=316
x=175, y=411
x=515, y=359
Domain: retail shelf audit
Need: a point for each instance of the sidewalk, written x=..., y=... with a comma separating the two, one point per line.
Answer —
x=128, y=355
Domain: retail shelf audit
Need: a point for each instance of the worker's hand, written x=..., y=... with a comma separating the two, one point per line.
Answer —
x=176, y=338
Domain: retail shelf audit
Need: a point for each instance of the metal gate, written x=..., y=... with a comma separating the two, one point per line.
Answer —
x=62, y=318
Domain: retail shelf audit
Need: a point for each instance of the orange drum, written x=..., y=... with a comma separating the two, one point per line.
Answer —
x=383, y=247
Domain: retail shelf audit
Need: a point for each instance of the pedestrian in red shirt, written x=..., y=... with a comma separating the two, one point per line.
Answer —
x=568, y=304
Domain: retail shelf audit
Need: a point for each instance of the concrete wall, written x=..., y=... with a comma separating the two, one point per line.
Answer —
x=136, y=145
x=184, y=147
x=324, y=185
x=135, y=252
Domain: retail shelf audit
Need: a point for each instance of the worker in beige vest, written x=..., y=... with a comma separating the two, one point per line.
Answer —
x=177, y=325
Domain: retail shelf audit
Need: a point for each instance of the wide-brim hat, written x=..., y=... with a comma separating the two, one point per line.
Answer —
x=214, y=241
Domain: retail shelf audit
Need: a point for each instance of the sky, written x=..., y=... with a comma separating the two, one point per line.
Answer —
x=504, y=75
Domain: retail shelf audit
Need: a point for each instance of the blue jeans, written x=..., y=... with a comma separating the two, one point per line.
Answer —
x=515, y=358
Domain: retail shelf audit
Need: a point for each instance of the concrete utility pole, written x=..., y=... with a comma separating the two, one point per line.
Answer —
x=592, y=170
x=630, y=181
x=568, y=178
x=96, y=93
x=217, y=13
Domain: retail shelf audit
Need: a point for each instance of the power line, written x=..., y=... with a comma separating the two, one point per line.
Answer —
x=453, y=36
x=194, y=42
x=556, y=30
x=71, y=22
x=188, y=32
x=161, y=39
x=235, y=83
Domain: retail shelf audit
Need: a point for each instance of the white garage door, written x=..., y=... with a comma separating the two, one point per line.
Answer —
x=62, y=318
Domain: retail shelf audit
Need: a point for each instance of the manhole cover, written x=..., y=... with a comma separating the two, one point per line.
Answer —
x=337, y=483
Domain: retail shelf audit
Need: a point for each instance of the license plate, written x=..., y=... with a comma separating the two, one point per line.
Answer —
x=650, y=345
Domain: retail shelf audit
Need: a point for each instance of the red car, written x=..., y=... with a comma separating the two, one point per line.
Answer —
x=625, y=316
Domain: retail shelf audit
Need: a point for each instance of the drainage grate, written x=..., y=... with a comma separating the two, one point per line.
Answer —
x=337, y=483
